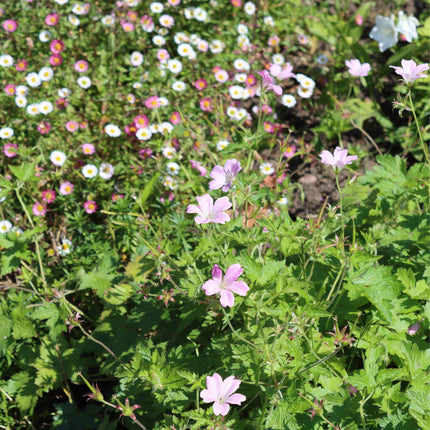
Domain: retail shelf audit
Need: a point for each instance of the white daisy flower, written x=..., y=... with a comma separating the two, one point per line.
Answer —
x=266, y=168
x=169, y=152
x=65, y=248
x=106, y=171
x=89, y=171
x=57, y=158
x=46, y=74
x=222, y=144
x=6, y=132
x=173, y=168
x=144, y=133
x=84, y=82
x=288, y=100
x=33, y=80
x=136, y=58
x=112, y=130
x=5, y=226
x=179, y=86
x=45, y=107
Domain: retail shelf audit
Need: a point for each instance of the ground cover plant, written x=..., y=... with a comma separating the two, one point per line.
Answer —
x=214, y=214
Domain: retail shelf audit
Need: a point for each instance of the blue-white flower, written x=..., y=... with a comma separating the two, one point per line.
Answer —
x=384, y=32
x=407, y=26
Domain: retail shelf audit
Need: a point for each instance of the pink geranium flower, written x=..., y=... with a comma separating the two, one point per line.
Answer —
x=410, y=71
x=207, y=211
x=269, y=82
x=39, y=209
x=282, y=72
x=355, y=68
x=339, y=159
x=221, y=393
x=224, y=176
x=227, y=286
x=198, y=166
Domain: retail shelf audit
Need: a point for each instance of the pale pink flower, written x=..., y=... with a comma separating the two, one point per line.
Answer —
x=410, y=71
x=355, y=68
x=88, y=149
x=81, y=66
x=339, y=159
x=198, y=166
x=224, y=176
x=90, y=206
x=269, y=82
x=152, y=102
x=10, y=25
x=66, y=188
x=9, y=150
x=226, y=286
x=72, y=126
x=221, y=393
x=39, y=209
x=413, y=328
x=207, y=211
x=51, y=19
x=282, y=72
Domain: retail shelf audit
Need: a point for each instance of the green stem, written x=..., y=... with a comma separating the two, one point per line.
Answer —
x=425, y=149
x=36, y=243
x=234, y=330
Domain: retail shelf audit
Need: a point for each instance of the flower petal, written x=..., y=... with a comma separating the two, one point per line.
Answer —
x=238, y=287
x=227, y=298
x=236, y=399
x=233, y=272
x=221, y=409
x=211, y=287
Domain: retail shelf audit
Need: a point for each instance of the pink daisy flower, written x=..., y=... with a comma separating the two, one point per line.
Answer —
x=90, y=206
x=21, y=65
x=10, y=25
x=39, y=209
x=8, y=150
x=66, y=188
x=48, y=196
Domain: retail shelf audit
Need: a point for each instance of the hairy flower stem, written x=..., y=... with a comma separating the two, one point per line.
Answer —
x=424, y=146
x=341, y=205
x=227, y=318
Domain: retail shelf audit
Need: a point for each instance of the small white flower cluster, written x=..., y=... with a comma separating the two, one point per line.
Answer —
x=237, y=114
x=106, y=171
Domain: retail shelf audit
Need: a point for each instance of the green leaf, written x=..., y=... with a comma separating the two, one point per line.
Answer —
x=146, y=192
x=24, y=171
